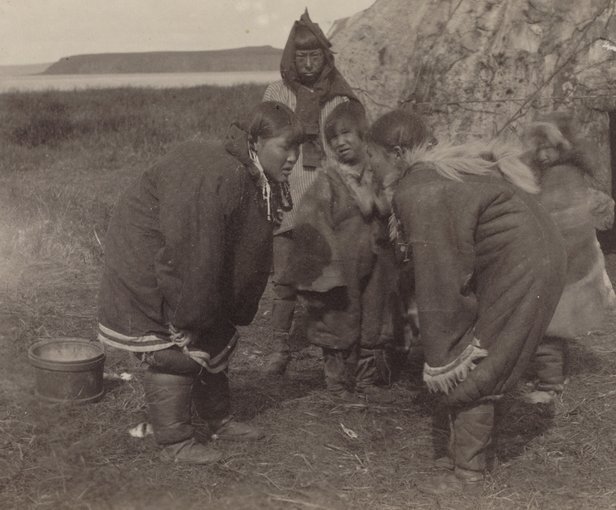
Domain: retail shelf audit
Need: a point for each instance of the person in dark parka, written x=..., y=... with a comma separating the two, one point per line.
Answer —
x=187, y=257
x=489, y=268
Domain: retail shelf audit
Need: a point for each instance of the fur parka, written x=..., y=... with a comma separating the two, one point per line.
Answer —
x=489, y=266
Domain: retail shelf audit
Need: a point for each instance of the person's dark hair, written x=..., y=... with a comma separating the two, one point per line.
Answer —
x=304, y=39
x=270, y=118
x=400, y=128
x=351, y=111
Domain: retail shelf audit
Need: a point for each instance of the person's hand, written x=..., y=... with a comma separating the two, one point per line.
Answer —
x=180, y=337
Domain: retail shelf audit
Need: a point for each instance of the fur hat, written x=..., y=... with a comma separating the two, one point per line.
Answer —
x=560, y=131
x=544, y=131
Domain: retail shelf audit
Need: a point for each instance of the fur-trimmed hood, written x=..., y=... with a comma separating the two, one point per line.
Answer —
x=559, y=130
x=536, y=132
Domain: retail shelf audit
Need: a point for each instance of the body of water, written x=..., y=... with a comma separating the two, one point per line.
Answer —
x=156, y=80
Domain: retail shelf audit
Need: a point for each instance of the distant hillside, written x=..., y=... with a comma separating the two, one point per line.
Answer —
x=23, y=70
x=257, y=58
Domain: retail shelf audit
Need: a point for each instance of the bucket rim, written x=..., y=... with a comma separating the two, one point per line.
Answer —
x=84, y=364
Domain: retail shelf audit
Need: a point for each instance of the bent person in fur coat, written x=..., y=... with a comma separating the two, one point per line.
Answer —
x=489, y=267
x=187, y=258
x=564, y=168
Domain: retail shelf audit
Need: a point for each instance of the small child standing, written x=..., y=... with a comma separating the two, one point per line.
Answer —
x=564, y=169
x=342, y=264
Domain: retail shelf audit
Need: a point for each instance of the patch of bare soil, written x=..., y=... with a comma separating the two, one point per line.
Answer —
x=317, y=454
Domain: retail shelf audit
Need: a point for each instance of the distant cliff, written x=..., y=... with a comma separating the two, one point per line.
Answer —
x=257, y=58
x=22, y=70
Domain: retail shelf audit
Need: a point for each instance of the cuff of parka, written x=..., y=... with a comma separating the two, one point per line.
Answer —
x=445, y=378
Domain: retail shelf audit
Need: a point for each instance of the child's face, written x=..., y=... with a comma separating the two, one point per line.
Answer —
x=278, y=155
x=547, y=154
x=347, y=144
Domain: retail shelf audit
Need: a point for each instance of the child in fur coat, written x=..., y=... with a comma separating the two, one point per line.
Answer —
x=342, y=264
x=564, y=168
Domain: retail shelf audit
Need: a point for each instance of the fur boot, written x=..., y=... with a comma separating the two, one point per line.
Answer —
x=367, y=375
x=470, y=438
x=168, y=398
x=211, y=397
x=282, y=319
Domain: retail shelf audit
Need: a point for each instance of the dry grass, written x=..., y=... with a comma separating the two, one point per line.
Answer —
x=77, y=457
x=81, y=457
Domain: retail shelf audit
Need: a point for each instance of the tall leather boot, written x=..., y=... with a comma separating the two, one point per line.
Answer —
x=212, y=400
x=168, y=397
x=471, y=435
x=282, y=319
x=367, y=376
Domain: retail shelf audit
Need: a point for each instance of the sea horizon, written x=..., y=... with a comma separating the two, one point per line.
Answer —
x=42, y=82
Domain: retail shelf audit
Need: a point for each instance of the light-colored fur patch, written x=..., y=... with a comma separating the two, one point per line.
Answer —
x=477, y=158
x=585, y=303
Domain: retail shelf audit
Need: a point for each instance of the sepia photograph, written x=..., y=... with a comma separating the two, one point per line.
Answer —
x=307, y=254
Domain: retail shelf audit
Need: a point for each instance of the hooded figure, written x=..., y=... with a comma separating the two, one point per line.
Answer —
x=565, y=168
x=312, y=90
x=312, y=87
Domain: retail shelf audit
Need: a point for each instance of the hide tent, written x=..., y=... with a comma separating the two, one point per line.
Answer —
x=477, y=68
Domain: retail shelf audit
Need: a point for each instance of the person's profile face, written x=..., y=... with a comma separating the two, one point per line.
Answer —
x=278, y=155
x=309, y=63
x=382, y=162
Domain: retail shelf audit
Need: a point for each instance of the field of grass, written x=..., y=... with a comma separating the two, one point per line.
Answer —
x=64, y=157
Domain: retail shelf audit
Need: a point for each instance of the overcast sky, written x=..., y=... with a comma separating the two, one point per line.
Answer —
x=41, y=31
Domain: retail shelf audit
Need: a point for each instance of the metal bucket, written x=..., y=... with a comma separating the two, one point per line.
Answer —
x=68, y=370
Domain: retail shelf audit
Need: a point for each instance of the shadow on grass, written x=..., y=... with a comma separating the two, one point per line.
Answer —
x=253, y=392
x=517, y=424
x=583, y=360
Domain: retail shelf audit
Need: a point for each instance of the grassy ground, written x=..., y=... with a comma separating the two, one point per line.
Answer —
x=55, y=197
